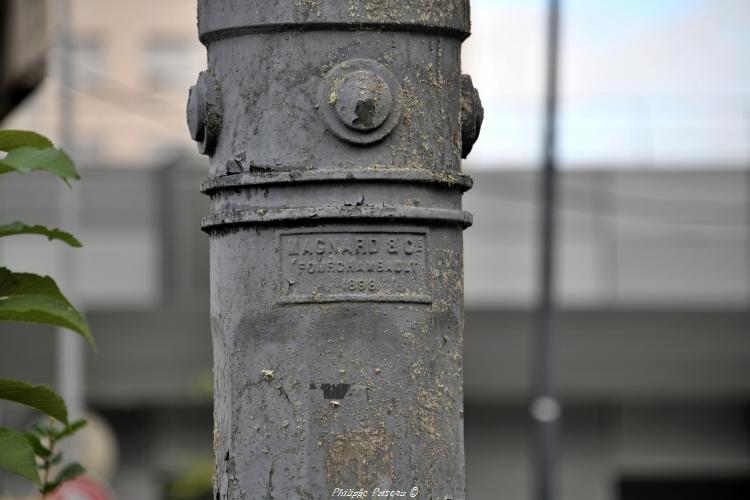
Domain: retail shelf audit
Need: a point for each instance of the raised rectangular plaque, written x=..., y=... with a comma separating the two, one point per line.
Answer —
x=380, y=266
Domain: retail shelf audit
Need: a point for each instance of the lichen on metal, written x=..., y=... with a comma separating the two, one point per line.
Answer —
x=336, y=130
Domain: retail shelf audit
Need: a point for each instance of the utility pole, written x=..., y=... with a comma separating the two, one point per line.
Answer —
x=335, y=131
x=70, y=348
x=545, y=407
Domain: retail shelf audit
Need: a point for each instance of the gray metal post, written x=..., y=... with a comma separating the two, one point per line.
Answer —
x=335, y=130
x=70, y=348
x=545, y=407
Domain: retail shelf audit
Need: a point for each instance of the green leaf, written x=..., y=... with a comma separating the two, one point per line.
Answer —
x=27, y=151
x=17, y=455
x=39, y=397
x=70, y=429
x=19, y=227
x=52, y=160
x=71, y=471
x=14, y=139
x=39, y=431
x=39, y=449
x=32, y=298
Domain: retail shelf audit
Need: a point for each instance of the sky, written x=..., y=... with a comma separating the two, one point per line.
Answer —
x=643, y=82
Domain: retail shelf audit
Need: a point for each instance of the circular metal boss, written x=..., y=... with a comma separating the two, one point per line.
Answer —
x=359, y=101
x=204, y=112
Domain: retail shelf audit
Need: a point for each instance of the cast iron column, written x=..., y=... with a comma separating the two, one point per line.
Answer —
x=336, y=130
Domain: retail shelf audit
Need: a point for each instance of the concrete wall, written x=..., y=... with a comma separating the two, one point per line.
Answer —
x=603, y=445
x=654, y=337
x=654, y=239
x=633, y=239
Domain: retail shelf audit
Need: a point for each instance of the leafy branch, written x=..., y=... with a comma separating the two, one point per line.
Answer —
x=26, y=297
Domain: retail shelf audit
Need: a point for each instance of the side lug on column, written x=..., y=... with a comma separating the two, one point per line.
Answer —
x=472, y=115
x=204, y=112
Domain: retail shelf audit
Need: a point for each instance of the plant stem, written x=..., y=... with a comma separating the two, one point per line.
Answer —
x=47, y=464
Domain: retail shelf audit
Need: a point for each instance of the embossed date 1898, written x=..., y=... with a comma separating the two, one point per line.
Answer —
x=353, y=266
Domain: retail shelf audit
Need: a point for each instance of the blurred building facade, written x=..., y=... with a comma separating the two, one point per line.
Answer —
x=654, y=341
x=132, y=65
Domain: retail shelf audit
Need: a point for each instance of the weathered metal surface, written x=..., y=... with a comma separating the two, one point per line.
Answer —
x=204, y=112
x=336, y=244
x=472, y=115
x=219, y=19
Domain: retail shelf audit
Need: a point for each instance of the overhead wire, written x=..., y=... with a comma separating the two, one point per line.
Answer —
x=123, y=106
x=125, y=87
